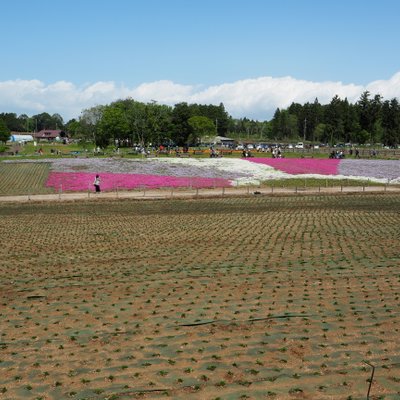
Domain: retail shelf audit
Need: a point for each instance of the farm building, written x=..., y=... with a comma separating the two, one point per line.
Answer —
x=50, y=135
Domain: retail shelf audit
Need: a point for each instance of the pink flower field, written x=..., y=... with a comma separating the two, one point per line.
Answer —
x=296, y=166
x=82, y=181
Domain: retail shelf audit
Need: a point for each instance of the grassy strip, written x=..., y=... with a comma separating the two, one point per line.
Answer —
x=317, y=182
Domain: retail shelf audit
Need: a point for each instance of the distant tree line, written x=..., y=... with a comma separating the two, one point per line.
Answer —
x=369, y=120
x=128, y=122
x=23, y=123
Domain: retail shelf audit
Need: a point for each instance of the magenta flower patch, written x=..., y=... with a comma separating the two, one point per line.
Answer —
x=82, y=181
x=297, y=166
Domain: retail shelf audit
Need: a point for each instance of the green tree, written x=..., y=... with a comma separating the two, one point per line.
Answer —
x=159, y=123
x=112, y=126
x=44, y=121
x=180, y=120
x=201, y=126
x=285, y=125
x=329, y=134
x=334, y=114
x=391, y=122
x=12, y=122
x=89, y=123
x=238, y=127
x=275, y=122
x=319, y=133
x=4, y=132
x=361, y=136
x=378, y=131
x=73, y=128
x=369, y=113
x=266, y=130
x=351, y=123
x=136, y=115
x=299, y=111
x=315, y=115
x=58, y=121
x=26, y=123
x=217, y=114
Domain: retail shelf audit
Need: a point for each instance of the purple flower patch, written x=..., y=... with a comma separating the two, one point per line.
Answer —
x=378, y=169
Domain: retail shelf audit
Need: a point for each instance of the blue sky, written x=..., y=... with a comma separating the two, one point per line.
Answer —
x=253, y=55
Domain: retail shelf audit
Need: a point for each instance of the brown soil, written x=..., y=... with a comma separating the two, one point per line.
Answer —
x=259, y=298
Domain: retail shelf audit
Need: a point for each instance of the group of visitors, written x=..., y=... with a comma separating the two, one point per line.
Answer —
x=277, y=152
x=214, y=153
x=337, y=154
x=247, y=153
x=340, y=154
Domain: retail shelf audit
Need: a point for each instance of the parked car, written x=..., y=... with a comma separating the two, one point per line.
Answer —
x=261, y=147
x=299, y=145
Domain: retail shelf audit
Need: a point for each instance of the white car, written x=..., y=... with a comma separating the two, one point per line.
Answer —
x=299, y=145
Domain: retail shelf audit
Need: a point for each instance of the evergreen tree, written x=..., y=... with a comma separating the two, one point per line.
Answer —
x=4, y=132
x=180, y=121
x=391, y=122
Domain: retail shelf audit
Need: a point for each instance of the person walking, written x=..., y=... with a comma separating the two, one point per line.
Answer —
x=96, y=184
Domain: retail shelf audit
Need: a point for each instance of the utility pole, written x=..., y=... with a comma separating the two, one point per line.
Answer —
x=304, y=130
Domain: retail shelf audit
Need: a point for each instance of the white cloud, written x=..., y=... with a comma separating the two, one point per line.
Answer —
x=254, y=98
x=388, y=89
x=165, y=92
x=259, y=98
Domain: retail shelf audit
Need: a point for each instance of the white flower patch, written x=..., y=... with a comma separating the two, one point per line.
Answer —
x=248, y=173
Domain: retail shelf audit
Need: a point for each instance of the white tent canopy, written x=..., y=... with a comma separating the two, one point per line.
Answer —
x=21, y=138
x=218, y=140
